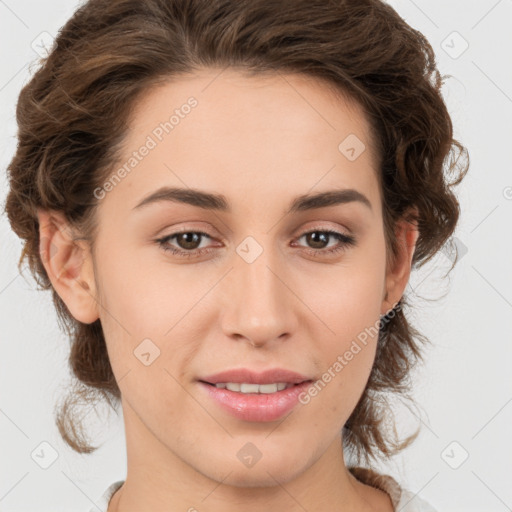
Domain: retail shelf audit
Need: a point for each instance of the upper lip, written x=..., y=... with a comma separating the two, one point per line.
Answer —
x=270, y=376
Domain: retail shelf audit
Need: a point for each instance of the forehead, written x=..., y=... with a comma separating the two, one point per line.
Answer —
x=229, y=100
x=223, y=130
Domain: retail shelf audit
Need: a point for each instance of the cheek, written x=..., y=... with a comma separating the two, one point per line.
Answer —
x=147, y=317
x=349, y=297
x=145, y=299
x=349, y=306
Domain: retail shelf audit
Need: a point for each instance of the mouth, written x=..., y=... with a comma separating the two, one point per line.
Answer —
x=254, y=388
x=254, y=402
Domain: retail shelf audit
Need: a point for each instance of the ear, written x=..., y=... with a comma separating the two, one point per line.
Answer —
x=68, y=263
x=399, y=269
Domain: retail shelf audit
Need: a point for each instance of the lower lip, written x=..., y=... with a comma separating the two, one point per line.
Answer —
x=256, y=406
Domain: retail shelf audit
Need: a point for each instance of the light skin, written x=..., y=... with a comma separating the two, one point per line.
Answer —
x=260, y=142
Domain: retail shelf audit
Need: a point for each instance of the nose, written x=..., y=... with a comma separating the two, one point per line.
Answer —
x=258, y=303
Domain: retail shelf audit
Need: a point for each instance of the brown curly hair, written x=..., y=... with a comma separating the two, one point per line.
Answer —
x=72, y=117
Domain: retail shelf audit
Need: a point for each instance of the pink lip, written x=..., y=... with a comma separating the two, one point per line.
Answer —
x=256, y=406
x=250, y=377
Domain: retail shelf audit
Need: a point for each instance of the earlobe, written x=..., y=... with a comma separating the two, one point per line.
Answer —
x=398, y=274
x=68, y=264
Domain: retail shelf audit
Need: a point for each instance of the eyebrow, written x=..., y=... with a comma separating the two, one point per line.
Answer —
x=218, y=202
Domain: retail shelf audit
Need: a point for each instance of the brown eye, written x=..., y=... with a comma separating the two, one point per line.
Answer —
x=318, y=240
x=186, y=243
x=189, y=240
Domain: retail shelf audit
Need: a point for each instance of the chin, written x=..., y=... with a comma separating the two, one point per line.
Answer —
x=262, y=474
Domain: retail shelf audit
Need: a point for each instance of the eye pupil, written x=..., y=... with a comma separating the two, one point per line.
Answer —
x=316, y=236
x=189, y=238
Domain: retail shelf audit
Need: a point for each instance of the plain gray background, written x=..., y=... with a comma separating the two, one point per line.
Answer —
x=464, y=391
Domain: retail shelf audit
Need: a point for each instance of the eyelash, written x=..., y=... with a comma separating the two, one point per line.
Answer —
x=345, y=241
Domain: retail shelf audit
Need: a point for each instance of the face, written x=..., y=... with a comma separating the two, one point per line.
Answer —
x=257, y=278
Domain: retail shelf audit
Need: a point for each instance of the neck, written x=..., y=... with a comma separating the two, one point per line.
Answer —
x=159, y=480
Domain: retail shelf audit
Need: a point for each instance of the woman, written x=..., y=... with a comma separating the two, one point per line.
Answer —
x=226, y=199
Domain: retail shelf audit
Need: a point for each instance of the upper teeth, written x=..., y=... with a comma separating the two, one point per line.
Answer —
x=253, y=388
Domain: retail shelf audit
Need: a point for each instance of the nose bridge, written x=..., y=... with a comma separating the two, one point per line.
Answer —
x=258, y=305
